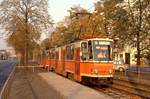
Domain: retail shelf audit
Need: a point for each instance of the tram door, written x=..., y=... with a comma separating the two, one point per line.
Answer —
x=56, y=61
x=77, y=64
x=63, y=61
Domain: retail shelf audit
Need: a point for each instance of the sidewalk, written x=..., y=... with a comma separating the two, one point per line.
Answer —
x=22, y=89
x=47, y=85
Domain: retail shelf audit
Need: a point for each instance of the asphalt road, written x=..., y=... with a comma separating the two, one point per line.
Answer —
x=6, y=66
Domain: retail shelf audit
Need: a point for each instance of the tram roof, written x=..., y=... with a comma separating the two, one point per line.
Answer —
x=103, y=39
x=78, y=41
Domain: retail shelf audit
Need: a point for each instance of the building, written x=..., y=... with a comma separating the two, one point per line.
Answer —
x=128, y=56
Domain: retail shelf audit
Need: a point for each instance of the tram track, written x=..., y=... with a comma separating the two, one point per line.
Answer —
x=132, y=83
x=133, y=88
x=115, y=93
x=121, y=89
x=125, y=87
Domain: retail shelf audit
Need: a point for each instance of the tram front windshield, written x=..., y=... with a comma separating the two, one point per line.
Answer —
x=102, y=51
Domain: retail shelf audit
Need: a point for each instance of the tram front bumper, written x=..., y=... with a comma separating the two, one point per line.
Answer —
x=96, y=76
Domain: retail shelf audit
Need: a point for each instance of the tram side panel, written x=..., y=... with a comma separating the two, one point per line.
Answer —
x=69, y=60
x=52, y=59
x=47, y=62
x=70, y=66
x=52, y=64
x=59, y=61
x=77, y=75
x=63, y=54
x=43, y=59
x=43, y=62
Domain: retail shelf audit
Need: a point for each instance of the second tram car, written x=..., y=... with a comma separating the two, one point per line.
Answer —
x=86, y=59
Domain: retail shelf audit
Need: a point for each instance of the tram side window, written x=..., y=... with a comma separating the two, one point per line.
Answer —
x=43, y=54
x=57, y=54
x=48, y=55
x=84, y=50
x=90, y=50
x=70, y=52
x=67, y=52
x=52, y=54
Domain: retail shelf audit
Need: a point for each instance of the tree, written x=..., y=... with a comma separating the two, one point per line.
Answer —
x=71, y=28
x=113, y=16
x=128, y=21
x=27, y=19
x=113, y=20
x=139, y=30
x=45, y=44
x=79, y=19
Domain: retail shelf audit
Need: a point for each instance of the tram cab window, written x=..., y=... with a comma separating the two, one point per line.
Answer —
x=102, y=52
x=84, y=50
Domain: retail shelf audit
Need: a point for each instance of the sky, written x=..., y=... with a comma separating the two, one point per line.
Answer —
x=3, y=43
x=58, y=9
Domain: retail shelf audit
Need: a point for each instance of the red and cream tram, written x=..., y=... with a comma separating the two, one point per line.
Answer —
x=89, y=58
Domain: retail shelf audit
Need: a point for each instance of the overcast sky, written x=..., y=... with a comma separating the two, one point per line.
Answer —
x=58, y=8
x=3, y=44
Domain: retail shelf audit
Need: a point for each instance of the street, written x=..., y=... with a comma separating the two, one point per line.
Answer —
x=6, y=67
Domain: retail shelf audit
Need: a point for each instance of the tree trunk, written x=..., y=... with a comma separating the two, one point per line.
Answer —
x=106, y=29
x=138, y=63
x=26, y=37
x=22, y=58
x=138, y=38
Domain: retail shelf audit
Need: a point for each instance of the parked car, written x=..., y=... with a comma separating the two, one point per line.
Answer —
x=120, y=66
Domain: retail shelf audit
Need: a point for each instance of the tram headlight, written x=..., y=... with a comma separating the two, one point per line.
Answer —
x=114, y=66
x=95, y=71
x=110, y=71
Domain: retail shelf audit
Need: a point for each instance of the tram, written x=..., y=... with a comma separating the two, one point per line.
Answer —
x=88, y=59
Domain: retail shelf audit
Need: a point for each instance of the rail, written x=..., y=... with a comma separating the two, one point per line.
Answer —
x=132, y=84
x=4, y=94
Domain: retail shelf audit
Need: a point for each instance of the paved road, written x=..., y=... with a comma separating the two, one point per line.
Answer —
x=6, y=67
